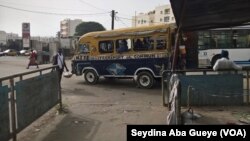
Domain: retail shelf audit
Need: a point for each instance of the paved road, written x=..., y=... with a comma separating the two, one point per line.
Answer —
x=10, y=65
x=97, y=112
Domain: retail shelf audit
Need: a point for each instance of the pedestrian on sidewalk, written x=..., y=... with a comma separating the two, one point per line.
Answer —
x=33, y=59
x=59, y=60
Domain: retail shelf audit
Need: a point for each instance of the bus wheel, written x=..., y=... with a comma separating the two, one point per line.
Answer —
x=90, y=77
x=214, y=59
x=145, y=80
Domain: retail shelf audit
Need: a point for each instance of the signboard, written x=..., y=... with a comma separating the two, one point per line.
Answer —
x=26, y=42
x=26, y=34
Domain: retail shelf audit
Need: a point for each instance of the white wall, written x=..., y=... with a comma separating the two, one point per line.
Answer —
x=68, y=27
x=157, y=16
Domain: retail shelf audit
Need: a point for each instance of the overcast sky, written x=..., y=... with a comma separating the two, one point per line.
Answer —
x=45, y=15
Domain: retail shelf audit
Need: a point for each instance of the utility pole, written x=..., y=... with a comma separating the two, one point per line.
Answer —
x=135, y=19
x=112, y=19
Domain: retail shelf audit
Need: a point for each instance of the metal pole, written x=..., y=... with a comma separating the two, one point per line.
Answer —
x=112, y=19
x=188, y=95
x=165, y=88
x=21, y=77
x=177, y=36
x=60, y=99
x=60, y=94
x=248, y=94
x=135, y=19
x=178, y=104
x=13, y=111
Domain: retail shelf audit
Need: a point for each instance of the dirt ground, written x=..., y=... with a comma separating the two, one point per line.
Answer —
x=101, y=112
x=237, y=115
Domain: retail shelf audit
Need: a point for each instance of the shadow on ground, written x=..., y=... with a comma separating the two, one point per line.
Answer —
x=74, y=128
x=119, y=84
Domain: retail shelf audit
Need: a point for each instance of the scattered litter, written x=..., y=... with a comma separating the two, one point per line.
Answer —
x=244, y=121
x=242, y=117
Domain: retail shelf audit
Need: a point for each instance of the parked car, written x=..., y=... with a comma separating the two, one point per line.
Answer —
x=10, y=52
x=23, y=52
x=1, y=53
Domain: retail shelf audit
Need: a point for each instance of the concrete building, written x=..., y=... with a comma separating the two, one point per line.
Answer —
x=161, y=14
x=67, y=27
x=13, y=36
x=44, y=39
x=3, y=37
x=3, y=40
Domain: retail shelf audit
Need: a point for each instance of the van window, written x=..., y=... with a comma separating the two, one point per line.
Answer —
x=161, y=42
x=106, y=47
x=123, y=45
x=145, y=43
x=84, y=48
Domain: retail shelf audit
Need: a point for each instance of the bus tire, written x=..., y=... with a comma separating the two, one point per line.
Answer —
x=145, y=80
x=214, y=59
x=90, y=76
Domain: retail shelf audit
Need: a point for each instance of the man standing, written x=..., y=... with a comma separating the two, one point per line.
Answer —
x=59, y=60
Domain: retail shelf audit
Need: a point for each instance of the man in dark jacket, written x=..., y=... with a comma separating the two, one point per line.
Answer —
x=59, y=60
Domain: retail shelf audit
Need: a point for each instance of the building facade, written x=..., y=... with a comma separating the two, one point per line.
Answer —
x=13, y=36
x=67, y=27
x=3, y=37
x=161, y=14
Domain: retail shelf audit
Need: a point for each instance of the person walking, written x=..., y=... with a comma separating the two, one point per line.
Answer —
x=59, y=60
x=33, y=59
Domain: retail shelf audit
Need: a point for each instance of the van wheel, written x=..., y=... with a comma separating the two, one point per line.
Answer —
x=90, y=77
x=145, y=80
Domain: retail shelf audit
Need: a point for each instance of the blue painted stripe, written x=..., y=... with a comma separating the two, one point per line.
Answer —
x=242, y=62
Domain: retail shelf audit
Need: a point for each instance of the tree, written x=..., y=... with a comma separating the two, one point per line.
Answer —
x=86, y=27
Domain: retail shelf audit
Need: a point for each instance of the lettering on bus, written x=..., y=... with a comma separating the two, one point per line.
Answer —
x=119, y=57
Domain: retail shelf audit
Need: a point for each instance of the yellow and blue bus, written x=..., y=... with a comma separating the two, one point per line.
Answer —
x=138, y=53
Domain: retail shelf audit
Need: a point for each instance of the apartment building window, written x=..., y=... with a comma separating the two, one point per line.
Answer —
x=151, y=21
x=167, y=11
x=139, y=22
x=166, y=19
x=145, y=21
x=160, y=19
x=161, y=12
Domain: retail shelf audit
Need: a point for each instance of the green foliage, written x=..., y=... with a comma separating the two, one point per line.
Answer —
x=86, y=27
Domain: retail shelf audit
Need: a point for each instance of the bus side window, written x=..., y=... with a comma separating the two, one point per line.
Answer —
x=161, y=42
x=106, y=47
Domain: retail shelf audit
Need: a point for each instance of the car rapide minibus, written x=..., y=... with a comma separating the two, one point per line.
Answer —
x=138, y=53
